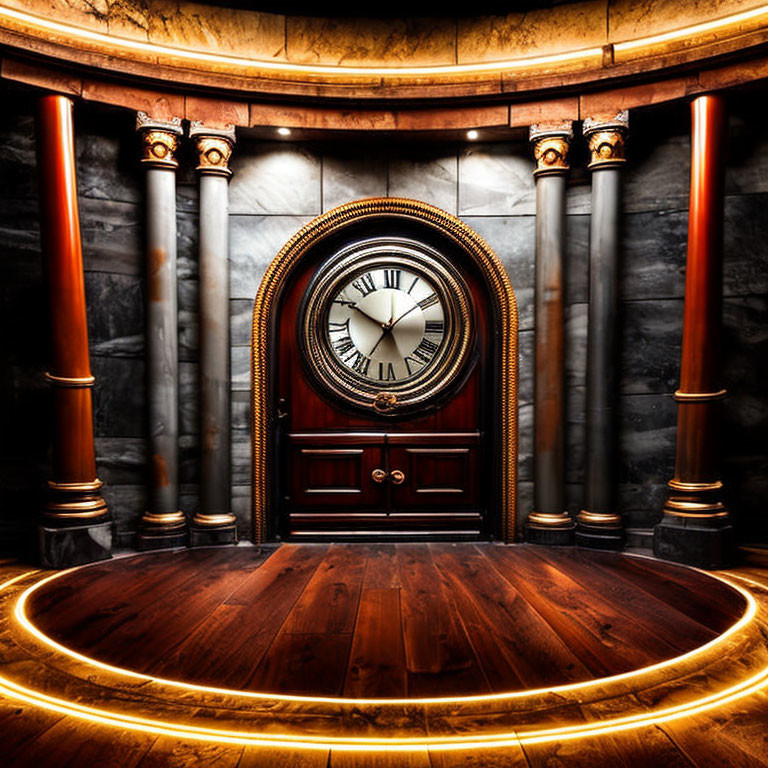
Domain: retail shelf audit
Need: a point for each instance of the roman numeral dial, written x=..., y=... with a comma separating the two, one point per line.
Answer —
x=386, y=323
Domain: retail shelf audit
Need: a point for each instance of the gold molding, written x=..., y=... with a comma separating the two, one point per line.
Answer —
x=76, y=509
x=171, y=518
x=699, y=397
x=550, y=149
x=159, y=141
x=687, y=508
x=679, y=485
x=69, y=381
x=697, y=515
x=606, y=140
x=498, y=284
x=561, y=520
x=213, y=520
x=602, y=519
x=89, y=487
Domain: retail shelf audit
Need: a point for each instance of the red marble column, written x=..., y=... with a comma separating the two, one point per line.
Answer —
x=75, y=500
x=696, y=527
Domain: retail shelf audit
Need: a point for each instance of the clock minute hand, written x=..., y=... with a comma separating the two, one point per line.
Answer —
x=407, y=312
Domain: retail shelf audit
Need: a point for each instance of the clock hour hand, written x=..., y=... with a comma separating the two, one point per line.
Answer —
x=363, y=312
x=388, y=325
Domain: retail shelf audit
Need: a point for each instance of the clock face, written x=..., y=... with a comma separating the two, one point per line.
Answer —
x=386, y=324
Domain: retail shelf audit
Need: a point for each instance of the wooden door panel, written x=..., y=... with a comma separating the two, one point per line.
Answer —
x=327, y=451
x=440, y=472
x=334, y=471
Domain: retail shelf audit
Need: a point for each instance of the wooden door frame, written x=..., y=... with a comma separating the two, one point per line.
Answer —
x=504, y=361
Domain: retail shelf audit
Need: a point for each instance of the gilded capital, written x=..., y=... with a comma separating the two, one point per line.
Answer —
x=551, y=145
x=606, y=141
x=214, y=149
x=159, y=141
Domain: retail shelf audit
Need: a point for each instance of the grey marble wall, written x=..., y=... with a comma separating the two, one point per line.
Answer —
x=278, y=187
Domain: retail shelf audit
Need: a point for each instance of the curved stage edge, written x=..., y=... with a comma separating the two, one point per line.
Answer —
x=43, y=673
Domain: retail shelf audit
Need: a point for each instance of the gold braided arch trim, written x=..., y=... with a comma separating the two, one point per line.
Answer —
x=265, y=305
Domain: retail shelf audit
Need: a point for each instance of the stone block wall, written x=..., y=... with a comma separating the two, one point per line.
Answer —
x=280, y=186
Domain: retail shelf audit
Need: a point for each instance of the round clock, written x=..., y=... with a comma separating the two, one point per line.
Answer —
x=386, y=324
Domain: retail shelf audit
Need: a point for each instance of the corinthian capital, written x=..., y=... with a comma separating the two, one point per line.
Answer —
x=214, y=149
x=551, y=144
x=159, y=140
x=606, y=140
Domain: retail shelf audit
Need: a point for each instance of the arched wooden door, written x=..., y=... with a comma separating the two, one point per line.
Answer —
x=442, y=467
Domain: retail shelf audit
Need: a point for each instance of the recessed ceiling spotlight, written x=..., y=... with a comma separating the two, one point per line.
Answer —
x=284, y=131
x=472, y=135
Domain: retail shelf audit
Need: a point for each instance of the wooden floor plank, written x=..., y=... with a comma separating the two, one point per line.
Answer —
x=163, y=625
x=606, y=642
x=645, y=746
x=733, y=735
x=73, y=743
x=516, y=647
x=21, y=725
x=438, y=654
x=168, y=752
x=245, y=625
x=657, y=617
x=264, y=757
x=679, y=587
x=76, y=597
x=506, y=757
x=307, y=664
x=381, y=571
x=418, y=759
x=290, y=561
x=330, y=599
x=377, y=657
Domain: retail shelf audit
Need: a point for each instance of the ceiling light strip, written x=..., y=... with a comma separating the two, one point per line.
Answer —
x=694, y=30
x=115, y=43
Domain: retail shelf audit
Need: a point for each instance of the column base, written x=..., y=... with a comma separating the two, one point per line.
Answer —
x=168, y=535
x=689, y=542
x=68, y=546
x=208, y=536
x=600, y=531
x=549, y=529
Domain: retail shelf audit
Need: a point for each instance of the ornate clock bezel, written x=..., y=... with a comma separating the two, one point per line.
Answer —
x=339, y=381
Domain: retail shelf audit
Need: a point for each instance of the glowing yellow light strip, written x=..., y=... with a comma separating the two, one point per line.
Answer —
x=24, y=621
x=105, y=717
x=12, y=581
x=127, y=45
x=744, y=688
x=696, y=29
x=115, y=42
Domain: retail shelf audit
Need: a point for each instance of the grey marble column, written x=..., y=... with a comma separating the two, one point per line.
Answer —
x=549, y=522
x=214, y=523
x=163, y=524
x=598, y=524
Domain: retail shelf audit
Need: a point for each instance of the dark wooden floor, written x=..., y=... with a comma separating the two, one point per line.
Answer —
x=384, y=620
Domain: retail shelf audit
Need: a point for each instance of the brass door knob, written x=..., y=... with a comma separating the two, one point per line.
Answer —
x=397, y=476
x=378, y=475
